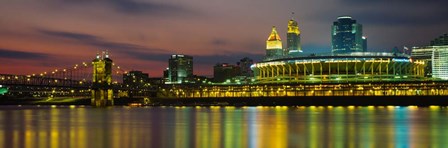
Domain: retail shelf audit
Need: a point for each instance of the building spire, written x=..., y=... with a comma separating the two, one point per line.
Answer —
x=274, y=35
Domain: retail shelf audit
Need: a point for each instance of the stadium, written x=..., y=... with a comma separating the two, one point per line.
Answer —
x=337, y=68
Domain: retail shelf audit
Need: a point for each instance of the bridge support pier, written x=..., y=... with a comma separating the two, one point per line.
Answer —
x=101, y=97
x=102, y=94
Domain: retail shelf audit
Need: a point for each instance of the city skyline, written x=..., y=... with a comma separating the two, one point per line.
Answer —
x=141, y=35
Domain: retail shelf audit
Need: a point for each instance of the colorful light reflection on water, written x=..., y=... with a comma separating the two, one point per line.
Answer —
x=231, y=127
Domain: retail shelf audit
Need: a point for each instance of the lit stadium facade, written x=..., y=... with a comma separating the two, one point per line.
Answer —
x=351, y=67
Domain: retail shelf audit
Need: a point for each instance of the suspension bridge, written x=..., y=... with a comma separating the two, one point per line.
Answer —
x=99, y=80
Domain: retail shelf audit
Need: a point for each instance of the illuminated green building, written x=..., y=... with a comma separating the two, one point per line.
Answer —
x=180, y=69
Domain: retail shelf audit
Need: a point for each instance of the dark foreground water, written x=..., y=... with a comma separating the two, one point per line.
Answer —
x=212, y=127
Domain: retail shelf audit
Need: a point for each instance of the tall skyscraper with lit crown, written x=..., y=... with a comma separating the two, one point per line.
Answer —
x=293, y=38
x=274, y=45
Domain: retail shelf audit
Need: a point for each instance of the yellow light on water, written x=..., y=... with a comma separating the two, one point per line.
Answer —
x=230, y=107
x=433, y=107
x=390, y=107
x=413, y=107
x=214, y=107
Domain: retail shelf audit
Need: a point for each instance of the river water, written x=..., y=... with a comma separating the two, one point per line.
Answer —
x=213, y=127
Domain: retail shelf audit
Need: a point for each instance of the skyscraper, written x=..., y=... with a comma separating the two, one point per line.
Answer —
x=293, y=38
x=180, y=69
x=346, y=36
x=274, y=45
x=423, y=54
x=364, y=43
x=440, y=62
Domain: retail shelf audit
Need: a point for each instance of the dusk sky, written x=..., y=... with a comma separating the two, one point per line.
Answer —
x=42, y=35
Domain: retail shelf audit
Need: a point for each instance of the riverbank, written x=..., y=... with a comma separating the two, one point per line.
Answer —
x=247, y=101
x=308, y=101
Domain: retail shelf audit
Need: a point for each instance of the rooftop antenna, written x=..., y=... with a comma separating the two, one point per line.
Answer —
x=107, y=54
x=292, y=15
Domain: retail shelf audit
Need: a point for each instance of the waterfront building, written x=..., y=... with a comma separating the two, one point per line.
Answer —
x=440, y=62
x=424, y=54
x=244, y=65
x=361, y=89
x=347, y=36
x=274, y=48
x=224, y=71
x=156, y=81
x=180, y=69
x=293, y=38
x=135, y=79
x=435, y=56
x=440, y=41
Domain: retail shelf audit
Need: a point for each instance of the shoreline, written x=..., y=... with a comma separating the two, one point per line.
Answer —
x=255, y=101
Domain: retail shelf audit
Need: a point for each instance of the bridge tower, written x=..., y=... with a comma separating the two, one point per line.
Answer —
x=102, y=94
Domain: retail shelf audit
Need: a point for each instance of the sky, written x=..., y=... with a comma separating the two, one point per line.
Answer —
x=44, y=35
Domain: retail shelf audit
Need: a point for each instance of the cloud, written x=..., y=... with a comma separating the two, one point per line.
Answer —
x=133, y=7
x=68, y=35
x=97, y=41
x=130, y=6
x=385, y=18
x=219, y=42
x=400, y=12
x=396, y=2
x=150, y=54
x=11, y=54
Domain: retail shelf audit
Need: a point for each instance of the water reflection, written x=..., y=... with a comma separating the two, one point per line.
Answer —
x=223, y=127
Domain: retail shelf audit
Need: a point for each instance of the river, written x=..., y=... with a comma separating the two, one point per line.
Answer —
x=232, y=127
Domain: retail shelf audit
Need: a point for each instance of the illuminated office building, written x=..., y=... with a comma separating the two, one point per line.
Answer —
x=274, y=45
x=347, y=36
x=180, y=69
x=424, y=54
x=440, y=62
x=435, y=57
x=293, y=38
